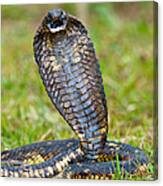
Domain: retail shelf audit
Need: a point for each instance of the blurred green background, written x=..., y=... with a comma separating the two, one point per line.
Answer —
x=123, y=37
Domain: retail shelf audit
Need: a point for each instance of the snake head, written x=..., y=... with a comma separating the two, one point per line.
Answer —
x=56, y=20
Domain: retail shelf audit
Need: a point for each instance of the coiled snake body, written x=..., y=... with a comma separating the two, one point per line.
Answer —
x=70, y=72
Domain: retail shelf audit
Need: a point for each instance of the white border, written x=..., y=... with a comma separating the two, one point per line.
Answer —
x=53, y=182
x=59, y=1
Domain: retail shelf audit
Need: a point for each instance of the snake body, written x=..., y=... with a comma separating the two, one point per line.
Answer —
x=71, y=74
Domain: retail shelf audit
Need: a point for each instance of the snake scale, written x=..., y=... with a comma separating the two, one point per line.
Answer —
x=71, y=74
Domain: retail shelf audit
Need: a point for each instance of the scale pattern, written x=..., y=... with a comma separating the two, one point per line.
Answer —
x=71, y=74
x=63, y=159
x=70, y=71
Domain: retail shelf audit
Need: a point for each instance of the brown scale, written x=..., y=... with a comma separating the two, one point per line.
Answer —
x=93, y=176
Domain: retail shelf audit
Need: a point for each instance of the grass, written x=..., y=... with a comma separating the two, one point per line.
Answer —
x=124, y=45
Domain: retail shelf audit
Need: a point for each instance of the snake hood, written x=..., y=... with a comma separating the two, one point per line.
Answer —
x=56, y=20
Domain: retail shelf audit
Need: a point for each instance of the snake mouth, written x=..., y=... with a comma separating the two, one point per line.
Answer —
x=56, y=20
x=56, y=26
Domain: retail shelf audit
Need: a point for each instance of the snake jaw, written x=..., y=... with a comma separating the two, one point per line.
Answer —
x=56, y=20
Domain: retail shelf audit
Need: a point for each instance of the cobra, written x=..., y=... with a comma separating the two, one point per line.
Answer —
x=70, y=72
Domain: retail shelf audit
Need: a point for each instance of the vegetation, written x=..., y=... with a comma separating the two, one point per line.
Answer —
x=123, y=37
